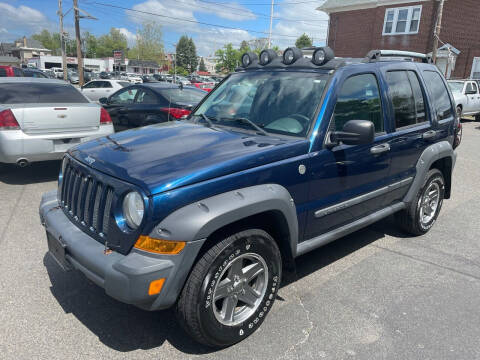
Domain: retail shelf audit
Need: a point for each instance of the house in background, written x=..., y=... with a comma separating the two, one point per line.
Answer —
x=358, y=26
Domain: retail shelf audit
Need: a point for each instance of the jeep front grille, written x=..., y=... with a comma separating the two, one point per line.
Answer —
x=86, y=200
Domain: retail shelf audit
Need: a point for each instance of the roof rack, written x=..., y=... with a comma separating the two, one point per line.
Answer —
x=376, y=55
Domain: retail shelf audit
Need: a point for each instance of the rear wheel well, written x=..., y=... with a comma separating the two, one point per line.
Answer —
x=445, y=166
x=272, y=221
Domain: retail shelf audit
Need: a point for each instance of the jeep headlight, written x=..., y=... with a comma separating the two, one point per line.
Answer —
x=133, y=209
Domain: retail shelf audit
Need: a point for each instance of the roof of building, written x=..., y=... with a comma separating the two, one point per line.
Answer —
x=31, y=43
x=143, y=63
x=332, y=6
x=9, y=59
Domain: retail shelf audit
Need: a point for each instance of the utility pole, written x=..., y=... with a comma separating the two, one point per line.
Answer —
x=79, y=43
x=270, y=32
x=436, y=33
x=62, y=41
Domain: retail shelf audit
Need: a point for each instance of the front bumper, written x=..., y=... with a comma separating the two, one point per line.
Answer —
x=124, y=277
x=16, y=145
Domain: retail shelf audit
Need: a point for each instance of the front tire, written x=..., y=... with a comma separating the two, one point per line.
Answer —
x=231, y=289
x=419, y=218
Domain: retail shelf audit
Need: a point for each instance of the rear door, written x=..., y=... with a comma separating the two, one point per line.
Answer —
x=146, y=109
x=411, y=124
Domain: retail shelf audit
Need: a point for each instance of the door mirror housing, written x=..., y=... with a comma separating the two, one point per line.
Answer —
x=103, y=100
x=354, y=132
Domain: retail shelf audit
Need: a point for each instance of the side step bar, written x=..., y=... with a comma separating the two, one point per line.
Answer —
x=335, y=234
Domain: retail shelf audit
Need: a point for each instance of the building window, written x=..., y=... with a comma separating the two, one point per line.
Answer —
x=135, y=69
x=404, y=20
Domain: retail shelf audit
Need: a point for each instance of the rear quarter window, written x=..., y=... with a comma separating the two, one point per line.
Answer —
x=3, y=72
x=439, y=94
x=185, y=96
x=38, y=93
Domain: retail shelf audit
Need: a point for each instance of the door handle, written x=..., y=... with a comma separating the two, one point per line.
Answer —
x=430, y=134
x=380, y=149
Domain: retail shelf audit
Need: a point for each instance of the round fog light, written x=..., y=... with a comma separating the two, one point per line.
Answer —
x=133, y=209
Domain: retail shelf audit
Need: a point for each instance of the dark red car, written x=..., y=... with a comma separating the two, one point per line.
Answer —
x=204, y=86
x=10, y=71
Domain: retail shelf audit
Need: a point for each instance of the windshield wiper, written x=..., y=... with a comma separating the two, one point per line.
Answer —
x=252, y=124
x=207, y=120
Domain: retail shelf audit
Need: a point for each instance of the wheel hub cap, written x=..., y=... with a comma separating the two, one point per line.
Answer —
x=240, y=289
x=429, y=203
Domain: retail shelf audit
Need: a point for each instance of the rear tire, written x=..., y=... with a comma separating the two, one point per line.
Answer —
x=459, y=113
x=477, y=117
x=422, y=213
x=231, y=289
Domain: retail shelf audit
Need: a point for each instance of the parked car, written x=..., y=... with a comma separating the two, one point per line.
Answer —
x=160, y=77
x=9, y=71
x=134, y=78
x=30, y=72
x=150, y=103
x=148, y=78
x=204, y=86
x=58, y=72
x=467, y=97
x=96, y=89
x=104, y=75
x=73, y=77
x=49, y=73
x=42, y=118
x=207, y=214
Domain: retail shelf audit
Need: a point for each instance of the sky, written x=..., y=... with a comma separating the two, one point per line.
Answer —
x=235, y=20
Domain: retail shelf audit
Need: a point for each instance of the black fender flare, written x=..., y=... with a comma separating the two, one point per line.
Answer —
x=200, y=219
x=431, y=154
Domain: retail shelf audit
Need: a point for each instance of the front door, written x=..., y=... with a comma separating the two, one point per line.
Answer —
x=119, y=105
x=345, y=178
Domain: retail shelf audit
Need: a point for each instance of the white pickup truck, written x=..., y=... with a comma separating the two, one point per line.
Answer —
x=467, y=97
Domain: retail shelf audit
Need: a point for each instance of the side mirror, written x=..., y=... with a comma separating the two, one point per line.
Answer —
x=103, y=100
x=354, y=132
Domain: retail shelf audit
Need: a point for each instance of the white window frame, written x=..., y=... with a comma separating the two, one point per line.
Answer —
x=395, y=20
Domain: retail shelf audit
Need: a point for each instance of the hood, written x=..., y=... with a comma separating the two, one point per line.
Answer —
x=170, y=155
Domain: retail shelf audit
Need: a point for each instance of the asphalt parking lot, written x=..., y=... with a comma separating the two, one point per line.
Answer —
x=373, y=295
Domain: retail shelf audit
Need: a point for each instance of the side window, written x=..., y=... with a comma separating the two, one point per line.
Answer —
x=471, y=87
x=92, y=85
x=407, y=98
x=106, y=84
x=146, y=97
x=359, y=99
x=123, y=96
x=3, y=72
x=439, y=94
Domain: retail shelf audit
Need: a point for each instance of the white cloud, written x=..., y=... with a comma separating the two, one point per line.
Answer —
x=315, y=24
x=212, y=39
x=21, y=20
x=131, y=37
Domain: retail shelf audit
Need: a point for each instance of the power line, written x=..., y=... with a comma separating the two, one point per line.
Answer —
x=269, y=4
x=189, y=20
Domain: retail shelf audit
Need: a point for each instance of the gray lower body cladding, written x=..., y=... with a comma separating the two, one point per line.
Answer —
x=124, y=277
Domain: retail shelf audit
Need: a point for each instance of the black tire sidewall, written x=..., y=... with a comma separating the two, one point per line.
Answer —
x=434, y=176
x=246, y=242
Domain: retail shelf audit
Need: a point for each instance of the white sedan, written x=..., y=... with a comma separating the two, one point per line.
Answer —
x=134, y=78
x=97, y=89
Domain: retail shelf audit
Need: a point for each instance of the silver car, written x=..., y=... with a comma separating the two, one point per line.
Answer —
x=40, y=119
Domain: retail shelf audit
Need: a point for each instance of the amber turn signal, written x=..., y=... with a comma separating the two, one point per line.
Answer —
x=159, y=246
x=155, y=286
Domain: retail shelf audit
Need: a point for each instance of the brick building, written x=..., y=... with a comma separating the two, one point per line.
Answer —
x=357, y=26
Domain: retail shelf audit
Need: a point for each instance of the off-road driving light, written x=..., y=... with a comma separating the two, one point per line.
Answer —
x=322, y=55
x=291, y=55
x=266, y=56
x=133, y=209
x=159, y=246
x=248, y=58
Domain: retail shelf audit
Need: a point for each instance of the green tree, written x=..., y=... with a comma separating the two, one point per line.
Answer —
x=244, y=47
x=186, y=54
x=149, y=45
x=90, y=45
x=303, y=41
x=178, y=70
x=107, y=43
x=49, y=41
x=228, y=58
x=202, y=66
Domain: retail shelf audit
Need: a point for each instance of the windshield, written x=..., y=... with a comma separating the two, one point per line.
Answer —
x=278, y=102
x=456, y=87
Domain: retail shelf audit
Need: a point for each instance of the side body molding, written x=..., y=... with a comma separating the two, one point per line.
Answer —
x=200, y=219
x=431, y=154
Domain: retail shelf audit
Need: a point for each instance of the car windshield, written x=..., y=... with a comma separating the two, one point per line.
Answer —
x=277, y=102
x=456, y=87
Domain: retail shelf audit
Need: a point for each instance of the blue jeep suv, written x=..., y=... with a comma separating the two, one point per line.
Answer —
x=285, y=155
